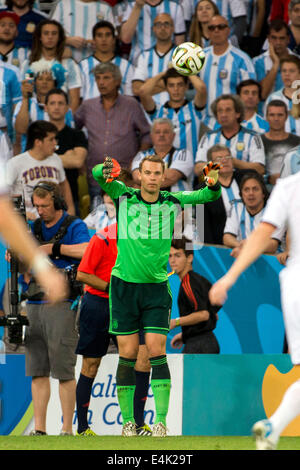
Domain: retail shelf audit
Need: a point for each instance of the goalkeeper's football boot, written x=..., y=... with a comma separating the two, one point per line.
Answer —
x=87, y=432
x=159, y=430
x=144, y=430
x=262, y=431
x=129, y=429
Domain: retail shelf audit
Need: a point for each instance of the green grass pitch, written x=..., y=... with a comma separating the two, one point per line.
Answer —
x=115, y=443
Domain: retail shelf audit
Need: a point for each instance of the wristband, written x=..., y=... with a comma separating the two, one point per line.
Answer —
x=40, y=263
x=56, y=250
x=177, y=321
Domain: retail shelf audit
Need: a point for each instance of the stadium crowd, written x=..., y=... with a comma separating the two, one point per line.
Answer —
x=245, y=97
x=99, y=73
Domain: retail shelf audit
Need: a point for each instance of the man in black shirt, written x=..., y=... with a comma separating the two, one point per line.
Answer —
x=72, y=143
x=198, y=317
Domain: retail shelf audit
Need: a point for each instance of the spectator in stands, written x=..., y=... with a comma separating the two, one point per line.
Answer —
x=29, y=19
x=290, y=75
x=254, y=38
x=105, y=39
x=267, y=64
x=291, y=163
x=246, y=146
x=204, y=11
x=78, y=17
x=72, y=143
x=38, y=163
x=225, y=65
x=236, y=14
x=249, y=92
x=32, y=106
x=137, y=23
x=216, y=212
x=157, y=58
x=198, y=318
x=277, y=142
x=294, y=25
x=116, y=124
x=10, y=95
x=185, y=115
x=104, y=213
x=48, y=45
x=179, y=162
x=248, y=215
x=9, y=52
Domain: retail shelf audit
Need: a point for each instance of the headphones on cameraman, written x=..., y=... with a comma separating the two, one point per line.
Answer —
x=59, y=202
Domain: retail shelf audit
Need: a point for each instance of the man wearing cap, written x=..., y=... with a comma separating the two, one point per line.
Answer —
x=9, y=52
x=29, y=19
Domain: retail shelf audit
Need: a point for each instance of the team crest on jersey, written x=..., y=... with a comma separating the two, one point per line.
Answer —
x=240, y=146
x=223, y=74
x=30, y=27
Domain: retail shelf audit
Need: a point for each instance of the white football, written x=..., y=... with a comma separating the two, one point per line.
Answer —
x=188, y=58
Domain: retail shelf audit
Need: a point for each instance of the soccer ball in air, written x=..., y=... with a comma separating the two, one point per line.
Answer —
x=188, y=58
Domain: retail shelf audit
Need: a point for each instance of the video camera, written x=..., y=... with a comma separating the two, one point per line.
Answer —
x=14, y=321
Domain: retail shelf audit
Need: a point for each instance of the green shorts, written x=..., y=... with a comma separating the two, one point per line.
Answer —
x=135, y=307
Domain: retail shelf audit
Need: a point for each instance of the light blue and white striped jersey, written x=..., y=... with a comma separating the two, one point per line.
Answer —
x=241, y=223
x=98, y=218
x=263, y=64
x=89, y=87
x=10, y=94
x=278, y=95
x=231, y=9
x=144, y=37
x=186, y=121
x=78, y=19
x=181, y=160
x=256, y=123
x=149, y=64
x=231, y=197
x=37, y=112
x=292, y=125
x=16, y=56
x=73, y=75
x=6, y=149
x=246, y=145
x=222, y=73
x=291, y=163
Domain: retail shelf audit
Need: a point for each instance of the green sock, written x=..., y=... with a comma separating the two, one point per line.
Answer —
x=125, y=380
x=161, y=387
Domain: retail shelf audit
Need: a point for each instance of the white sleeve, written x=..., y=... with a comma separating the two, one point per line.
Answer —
x=201, y=155
x=136, y=161
x=257, y=151
x=237, y=8
x=183, y=162
x=232, y=223
x=140, y=71
x=276, y=210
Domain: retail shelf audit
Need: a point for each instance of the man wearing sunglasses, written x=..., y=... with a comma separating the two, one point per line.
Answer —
x=225, y=65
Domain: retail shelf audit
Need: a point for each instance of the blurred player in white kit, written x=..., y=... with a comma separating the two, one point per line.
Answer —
x=283, y=209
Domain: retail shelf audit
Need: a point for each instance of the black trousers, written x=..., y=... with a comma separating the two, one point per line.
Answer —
x=206, y=343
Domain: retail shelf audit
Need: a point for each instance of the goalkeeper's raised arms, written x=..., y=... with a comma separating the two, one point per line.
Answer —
x=211, y=173
x=111, y=169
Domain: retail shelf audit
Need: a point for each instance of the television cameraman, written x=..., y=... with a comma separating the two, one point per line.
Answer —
x=51, y=336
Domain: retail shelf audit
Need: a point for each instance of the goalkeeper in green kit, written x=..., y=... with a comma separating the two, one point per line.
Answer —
x=140, y=296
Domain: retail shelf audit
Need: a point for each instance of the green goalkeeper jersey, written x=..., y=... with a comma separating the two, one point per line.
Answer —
x=145, y=229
